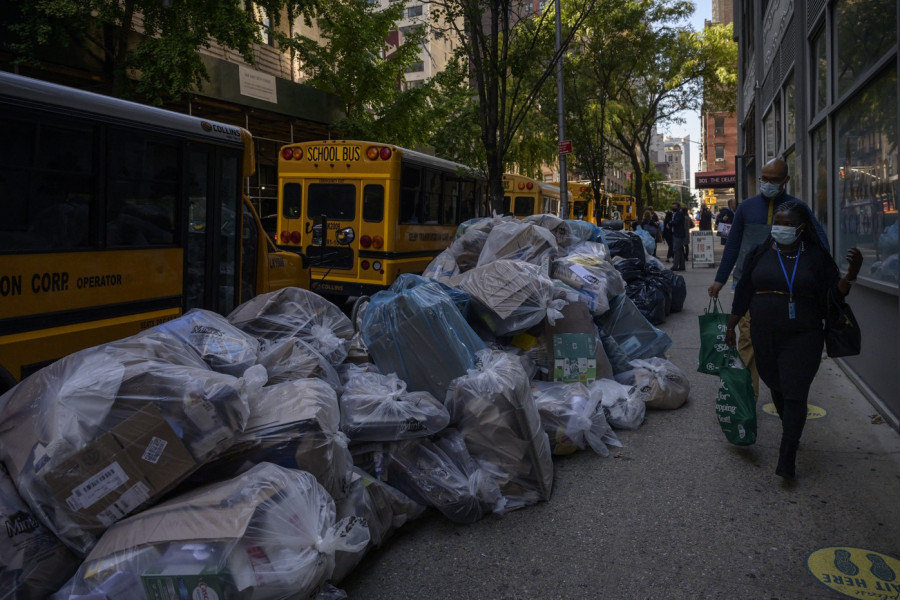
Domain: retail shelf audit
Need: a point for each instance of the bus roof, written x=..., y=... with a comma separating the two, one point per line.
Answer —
x=413, y=156
x=37, y=94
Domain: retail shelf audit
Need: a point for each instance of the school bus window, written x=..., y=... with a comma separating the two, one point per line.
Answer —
x=195, y=241
x=507, y=202
x=524, y=206
x=334, y=200
x=293, y=200
x=431, y=197
x=142, y=191
x=450, y=200
x=66, y=149
x=467, y=203
x=410, y=206
x=17, y=149
x=373, y=203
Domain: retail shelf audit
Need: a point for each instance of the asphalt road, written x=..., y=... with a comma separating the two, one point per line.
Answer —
x=678, y=513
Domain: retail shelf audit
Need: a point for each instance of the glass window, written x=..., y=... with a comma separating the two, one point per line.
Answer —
x=416, y=67
x=793, y=186
x=337, y=201
x=720, y=153
x=820, y=180
x=142, y=192
x=450, y=200
x=868, y=162
x=769, y=143
x=410, y=190
x=790, y=115
x=292, y=201
x=195, y=245
x=431, y=196
x=865, y=32
x=506, y=205
x=228, y=206
x=719, y=126
x=373, y=203
x=524, y=206
x=414, y=11
x=468, y=204
x=819, y=73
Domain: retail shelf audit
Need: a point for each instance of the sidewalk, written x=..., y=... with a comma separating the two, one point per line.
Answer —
x=678, y=513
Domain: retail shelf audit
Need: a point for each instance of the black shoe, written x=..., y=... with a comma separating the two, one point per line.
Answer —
x=787, y=457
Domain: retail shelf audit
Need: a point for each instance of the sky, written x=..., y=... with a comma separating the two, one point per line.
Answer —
x=702, y=12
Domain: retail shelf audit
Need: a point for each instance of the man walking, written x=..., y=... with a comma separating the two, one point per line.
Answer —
x=751, y=226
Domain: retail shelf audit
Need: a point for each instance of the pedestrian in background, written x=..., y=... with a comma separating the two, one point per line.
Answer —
x=784, y=285
x=752, y=225
x=726, y=216
x=678, y=223
x=705, y=219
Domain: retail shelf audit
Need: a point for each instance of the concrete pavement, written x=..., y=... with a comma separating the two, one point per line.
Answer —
x=678, y=513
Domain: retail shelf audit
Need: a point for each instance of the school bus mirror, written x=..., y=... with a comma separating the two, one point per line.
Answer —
x=345, y=236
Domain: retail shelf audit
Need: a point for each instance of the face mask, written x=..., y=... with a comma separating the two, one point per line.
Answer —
x=769, y=189
x=784, y=235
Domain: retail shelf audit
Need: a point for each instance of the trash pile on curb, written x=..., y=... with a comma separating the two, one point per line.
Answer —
x=262, y=455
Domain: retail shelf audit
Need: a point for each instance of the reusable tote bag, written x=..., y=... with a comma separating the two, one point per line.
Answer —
x=713, y=350
x=735, y=403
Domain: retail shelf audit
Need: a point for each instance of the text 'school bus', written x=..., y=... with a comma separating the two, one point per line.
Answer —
x=116, y=217
x=524, y=196
x=395, y=210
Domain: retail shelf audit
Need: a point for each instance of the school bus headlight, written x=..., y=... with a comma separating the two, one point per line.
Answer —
x=377, y=242
x=376, y=265
x=365, y=241
x=295, y=237
x=372, y=153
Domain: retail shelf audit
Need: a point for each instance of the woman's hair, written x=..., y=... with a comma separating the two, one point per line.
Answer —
x=803, y=215
x=648, y=214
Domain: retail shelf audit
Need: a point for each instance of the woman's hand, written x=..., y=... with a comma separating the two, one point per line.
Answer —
x=730, y=337
x=855, y=259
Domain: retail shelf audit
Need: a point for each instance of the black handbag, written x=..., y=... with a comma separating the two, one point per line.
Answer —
x=842, y=335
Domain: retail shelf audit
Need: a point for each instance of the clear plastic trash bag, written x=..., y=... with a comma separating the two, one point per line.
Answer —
x=268, y=534
x=378, y=408
x=519, y=241
x=587, y=268
x=297, y=313
x=657, y=382
x=493, y=409
x=420, y=335
x=291, y=359
x=622, y=410
x=573, y=418
x=634, y=334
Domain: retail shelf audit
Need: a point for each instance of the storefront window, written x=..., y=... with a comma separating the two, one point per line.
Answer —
x=867, y=158
x=771, y=145
x=819, y=72
x=790, y=115
x=819, y=200
x=865, y=32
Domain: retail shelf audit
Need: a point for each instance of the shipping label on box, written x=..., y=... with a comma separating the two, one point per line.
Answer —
x=574, y=358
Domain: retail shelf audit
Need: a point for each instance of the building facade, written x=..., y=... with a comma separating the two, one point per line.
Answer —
x=818, y=85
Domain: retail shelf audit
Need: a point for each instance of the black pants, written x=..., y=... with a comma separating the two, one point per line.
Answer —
x=787, y=363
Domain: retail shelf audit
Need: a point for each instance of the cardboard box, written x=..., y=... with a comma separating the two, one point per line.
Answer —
x=122, y=470
x=572, y=344
x=187, y=580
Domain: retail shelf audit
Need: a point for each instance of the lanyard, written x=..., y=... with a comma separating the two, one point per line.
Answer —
x=769, y=216
x=790, y=282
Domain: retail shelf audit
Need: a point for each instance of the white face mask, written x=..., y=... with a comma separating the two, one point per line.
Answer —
x=769, y=189
x=784, y=235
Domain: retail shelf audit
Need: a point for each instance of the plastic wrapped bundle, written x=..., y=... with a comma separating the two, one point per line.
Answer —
x=560, y=228
x=291, y=359
x=443, y=267
x=221, y=345
x=33, y=563
x=103, y=433
x=632, y=331
x=384, y=508
x=623, y=411
x=268, y=534
x=588, y=270
x=573, y=418
x=420, y=335
x=618, y=360
x=519, y=241
x=657, y=382
x=443, y=475
x=406, y=281
x=295, y=424
x=348, y=371
x=378, y=408
x=511, y=296
x=493, y=409
x=297, y=313
x=583, y=231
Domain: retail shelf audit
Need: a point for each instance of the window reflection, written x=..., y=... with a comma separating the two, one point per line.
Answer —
x=864, y=35
x=820, y=70
x=820, y=176
x=867, y=186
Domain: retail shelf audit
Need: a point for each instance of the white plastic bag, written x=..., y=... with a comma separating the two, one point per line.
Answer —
x=622, y=411
x=573, y=418
x=657, y=382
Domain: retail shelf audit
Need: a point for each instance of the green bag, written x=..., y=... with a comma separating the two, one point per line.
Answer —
x=713, y=349
x=735, y=402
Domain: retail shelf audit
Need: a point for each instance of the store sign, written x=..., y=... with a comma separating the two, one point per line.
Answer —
x=702, y=244
x=257, y=85
x=714, y=180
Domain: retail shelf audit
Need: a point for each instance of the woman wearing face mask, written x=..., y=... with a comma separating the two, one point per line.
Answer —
x=784, y=285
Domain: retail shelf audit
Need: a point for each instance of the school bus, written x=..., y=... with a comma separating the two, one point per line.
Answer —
x=117, y=217
x=524, y=196
x=583, y=206
x=622, y=207
x=384, y=210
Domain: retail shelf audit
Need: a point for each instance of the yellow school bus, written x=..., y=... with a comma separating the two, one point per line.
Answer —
x=583, y=206
x=524, y=196
x=622, y=207
x=384, y=210
x=117, y=217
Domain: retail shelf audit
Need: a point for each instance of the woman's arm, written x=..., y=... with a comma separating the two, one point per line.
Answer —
x=854, y=258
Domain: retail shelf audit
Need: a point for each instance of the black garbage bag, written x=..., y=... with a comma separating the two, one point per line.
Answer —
x=631, y=269
x=649, y=300
x=662, y=284
x=626, y=244
x=679, y=289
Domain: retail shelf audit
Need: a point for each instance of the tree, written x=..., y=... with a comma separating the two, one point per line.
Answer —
x=146, y=49
x=500, y=45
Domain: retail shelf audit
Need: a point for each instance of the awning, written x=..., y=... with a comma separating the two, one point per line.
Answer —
x=714, y=179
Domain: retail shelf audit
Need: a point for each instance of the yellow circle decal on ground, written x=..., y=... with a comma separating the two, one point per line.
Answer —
x=812, y=411
x=856, y=572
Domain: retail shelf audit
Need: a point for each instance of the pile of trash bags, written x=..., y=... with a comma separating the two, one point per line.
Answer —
x=254, y=456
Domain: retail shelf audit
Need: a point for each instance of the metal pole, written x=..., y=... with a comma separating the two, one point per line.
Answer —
x=563, y=184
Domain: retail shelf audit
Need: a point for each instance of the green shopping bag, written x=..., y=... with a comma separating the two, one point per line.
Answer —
x=735, y=402
x=713, y=349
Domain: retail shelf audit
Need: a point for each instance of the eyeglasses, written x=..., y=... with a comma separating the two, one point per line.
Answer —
x=765, y=179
